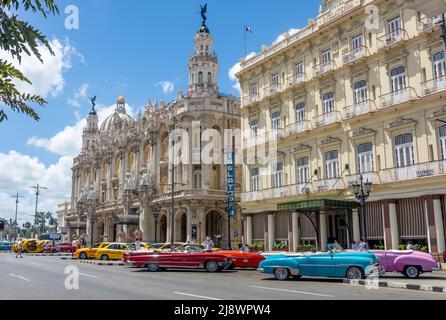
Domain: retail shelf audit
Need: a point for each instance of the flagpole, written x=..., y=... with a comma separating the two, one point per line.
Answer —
x=244, y=38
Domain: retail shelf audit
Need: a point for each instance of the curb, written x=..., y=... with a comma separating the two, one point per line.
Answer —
x=102, y=263
x=396, y=285
x=47, y=254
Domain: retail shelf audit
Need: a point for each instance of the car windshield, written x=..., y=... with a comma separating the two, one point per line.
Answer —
x=187, y=248
x=156, y=246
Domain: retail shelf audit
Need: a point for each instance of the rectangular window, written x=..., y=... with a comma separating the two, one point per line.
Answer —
x=394, y=26
x=275, y=118
x=360, y=92
x=278, y=175
x=255, y=179
x=365, y=158
x=253, y=90
x=303, y=170
x=357, y=42
x=443, y=142
x=398, y=79
x=439, y=65
x=332, y=165
x=404, y=150
x=274, y=83
x=328, y=103
x=300, y=112
x=326, y=56
x=299, y=69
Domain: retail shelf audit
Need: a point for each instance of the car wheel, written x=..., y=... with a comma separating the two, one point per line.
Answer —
x=355, y=273
x=83, y=256
x=281, y=274
x=411, y=272
x=212, y=266
x=153, y=267
x=104, y=257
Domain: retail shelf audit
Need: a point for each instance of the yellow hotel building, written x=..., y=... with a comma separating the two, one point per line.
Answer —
x=357, y=91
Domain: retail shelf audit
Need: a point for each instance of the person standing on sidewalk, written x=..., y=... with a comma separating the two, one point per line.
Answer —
x=19, y=249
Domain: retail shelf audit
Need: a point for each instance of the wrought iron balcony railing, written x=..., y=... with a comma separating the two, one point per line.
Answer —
x=434, y=85
x=359, y=109
x=422, y=170
x=392, y=38
x=326, y=119
x=329, y=184
x=297, y=79
x=324, y=67
x=297, y=128
x=397, y=97
x=251, y=98
x=372, y=177
x=354, y=54
x=428, y=23
x=273, y=89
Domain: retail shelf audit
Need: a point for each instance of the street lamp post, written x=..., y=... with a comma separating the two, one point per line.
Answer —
x=229, y=207
x=362, y=192
x=156, y=213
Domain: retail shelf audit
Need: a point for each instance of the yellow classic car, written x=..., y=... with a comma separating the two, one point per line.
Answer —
x=113, y=251
x=163, y=247
x=29, y=246
x=90, y=252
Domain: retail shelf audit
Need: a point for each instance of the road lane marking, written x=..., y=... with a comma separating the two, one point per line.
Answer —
x=37, y=264
x=19, y=277
x=292, y=291
x=88, y=275
x=195, y=296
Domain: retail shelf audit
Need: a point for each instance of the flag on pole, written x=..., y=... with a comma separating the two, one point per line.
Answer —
x=248, y=29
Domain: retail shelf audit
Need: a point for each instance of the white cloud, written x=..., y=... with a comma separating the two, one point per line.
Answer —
x=167, y=86
x=284, y=35
x=235, y=69
x=68, y=142
x=47, y=78
x=79, y=95
x=19, y=172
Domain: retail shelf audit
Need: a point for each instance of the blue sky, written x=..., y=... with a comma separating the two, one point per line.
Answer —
x=125, y=48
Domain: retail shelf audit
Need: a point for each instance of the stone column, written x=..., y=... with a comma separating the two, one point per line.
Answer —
x=296, y=230
x=249, y=230
x=323, y=231
x=394, y=225
x=439, y=225
x=356, y=226
x=290, y=232
x=431, y=222
x=271, y=230
x=190, y=214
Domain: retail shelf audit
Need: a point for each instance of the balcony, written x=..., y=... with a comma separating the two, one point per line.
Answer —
x=390, y=39
x=298, y=128
x=251, y=98
x=324, y=67
x=326, y=119
x=251, y=196
x=253, y=141
x=296, y=79
x=359, y=109
x=354, y=54
x=428, y=23
x=372, y=177
x=397, y=97
x=423, y=170
x=272, y=90
x=274, y=135
x=276, y=193
x=434, y=85
x=329, y=184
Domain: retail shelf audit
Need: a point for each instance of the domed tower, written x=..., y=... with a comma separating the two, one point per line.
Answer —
x=118, y=119
x=91, y=131
x=203, y=65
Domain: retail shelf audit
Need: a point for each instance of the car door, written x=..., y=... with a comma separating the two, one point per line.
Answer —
x=320, y=265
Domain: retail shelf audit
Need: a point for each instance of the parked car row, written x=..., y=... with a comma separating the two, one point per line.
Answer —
x=40, y=246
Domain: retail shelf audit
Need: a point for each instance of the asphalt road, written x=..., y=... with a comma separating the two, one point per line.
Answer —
x=44, y=278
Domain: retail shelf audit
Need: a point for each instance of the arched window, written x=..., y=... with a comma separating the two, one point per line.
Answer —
x=439, y=65
x=300, y=112
x=332, y=164
x=404, y=150
x=365, y=157
x=443, y=141
x=197, y=179
x=328, y=102
x=209, y=78
x=303, y=170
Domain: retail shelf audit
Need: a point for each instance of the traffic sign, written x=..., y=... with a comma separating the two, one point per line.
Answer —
x=236, y=234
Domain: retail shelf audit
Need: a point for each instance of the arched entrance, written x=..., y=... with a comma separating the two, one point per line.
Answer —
x=181, y=227
x=184, y=228
x=162, y=235
x=215, y=227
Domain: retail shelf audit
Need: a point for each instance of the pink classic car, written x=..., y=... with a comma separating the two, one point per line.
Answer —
x=408, y=262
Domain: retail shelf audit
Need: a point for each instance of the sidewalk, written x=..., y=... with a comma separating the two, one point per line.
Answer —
x=103, y=263
x=431, y=282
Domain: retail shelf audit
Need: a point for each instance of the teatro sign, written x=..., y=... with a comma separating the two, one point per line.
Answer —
x=337, y=8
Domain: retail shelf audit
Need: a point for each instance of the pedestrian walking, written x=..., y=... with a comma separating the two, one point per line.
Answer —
x=45, y=246
x=19, y=249
x=138, y=243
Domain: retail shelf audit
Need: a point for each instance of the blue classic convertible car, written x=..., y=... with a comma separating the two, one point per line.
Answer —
x=350, y=265
x=5, y=245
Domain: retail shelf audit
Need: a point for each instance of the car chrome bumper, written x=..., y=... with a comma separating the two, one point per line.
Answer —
x=261, y=270
x=375, y=270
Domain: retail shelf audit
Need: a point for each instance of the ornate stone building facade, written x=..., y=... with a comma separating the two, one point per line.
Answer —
x=359, y=91
x=125, y=168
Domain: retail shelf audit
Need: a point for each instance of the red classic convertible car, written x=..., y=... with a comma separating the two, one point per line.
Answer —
x=181, y=257
x=242, y=259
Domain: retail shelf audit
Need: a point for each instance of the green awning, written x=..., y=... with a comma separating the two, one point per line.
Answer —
x=318, y=205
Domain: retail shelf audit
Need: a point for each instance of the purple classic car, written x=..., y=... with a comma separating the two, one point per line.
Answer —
x=408, y=262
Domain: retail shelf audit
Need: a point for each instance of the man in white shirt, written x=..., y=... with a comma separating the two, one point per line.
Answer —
x=19, y=249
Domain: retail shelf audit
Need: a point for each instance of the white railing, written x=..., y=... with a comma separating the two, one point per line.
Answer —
x=277, y=193
x=392, y=38
x=251, y=98
x=359, y=109
x=329, y=184
x=274, y=135
x=397, y=97
x=324, y=67
x=326, y=119
x=253, y=141
x=273, y=89
x=297, y=79
x=372, y=177
x=298, y=128
x=354, y=54
x=251, y=196
x=428, y=23
x=429, y=169
x=434, y=85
